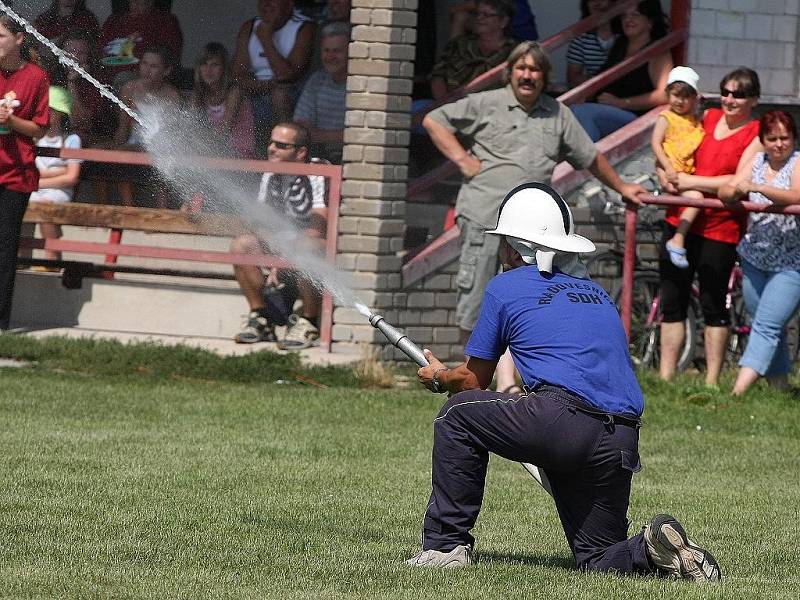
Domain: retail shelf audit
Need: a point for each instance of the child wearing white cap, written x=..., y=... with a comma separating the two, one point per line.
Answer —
x=676, y=135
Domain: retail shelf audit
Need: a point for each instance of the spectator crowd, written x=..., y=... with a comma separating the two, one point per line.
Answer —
x=278, y=92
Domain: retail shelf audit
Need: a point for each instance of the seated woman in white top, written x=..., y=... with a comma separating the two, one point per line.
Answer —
x=273, y=52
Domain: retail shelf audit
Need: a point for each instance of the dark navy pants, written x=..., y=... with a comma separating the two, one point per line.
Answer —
x=12, y=209
x=588, y=458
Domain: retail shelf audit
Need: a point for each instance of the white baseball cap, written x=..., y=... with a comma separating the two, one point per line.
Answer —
x=686, y=75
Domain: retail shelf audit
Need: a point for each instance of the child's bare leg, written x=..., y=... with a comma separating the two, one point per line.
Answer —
x=688, y=215
x=676, y=246
x=51, y=231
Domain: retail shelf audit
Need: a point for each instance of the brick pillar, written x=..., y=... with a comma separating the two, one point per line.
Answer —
x=372, y=215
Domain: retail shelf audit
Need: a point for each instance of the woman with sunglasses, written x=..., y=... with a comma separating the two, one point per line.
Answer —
x=641, y=89
x=729, y=143
x=469, y=55
x=770, y=251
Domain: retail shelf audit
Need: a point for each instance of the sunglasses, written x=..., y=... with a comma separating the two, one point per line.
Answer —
x=282, y=145
x=738, y=94
x=485, y=14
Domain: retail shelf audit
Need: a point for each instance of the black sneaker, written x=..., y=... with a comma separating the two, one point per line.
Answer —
x=674, y=554
x=256, y=329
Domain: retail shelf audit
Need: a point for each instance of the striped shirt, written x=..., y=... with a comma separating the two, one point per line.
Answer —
x=590, y=52
x=322, y=106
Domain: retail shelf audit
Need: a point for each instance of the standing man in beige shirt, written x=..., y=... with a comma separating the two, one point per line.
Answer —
x=515, y=134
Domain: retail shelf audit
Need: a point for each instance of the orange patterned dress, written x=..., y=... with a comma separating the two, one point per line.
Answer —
x=681, y=138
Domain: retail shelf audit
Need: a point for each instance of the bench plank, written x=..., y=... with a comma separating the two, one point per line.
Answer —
x=134, y=218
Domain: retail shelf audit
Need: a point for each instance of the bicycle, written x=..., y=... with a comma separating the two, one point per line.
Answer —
x=644, y=343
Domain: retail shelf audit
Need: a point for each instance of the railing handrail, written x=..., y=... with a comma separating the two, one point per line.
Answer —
x=631, y=217
x=129, y=157
x=590, y=87
x=494, y=75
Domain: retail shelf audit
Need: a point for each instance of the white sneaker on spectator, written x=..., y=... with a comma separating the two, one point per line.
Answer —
x=300, y=334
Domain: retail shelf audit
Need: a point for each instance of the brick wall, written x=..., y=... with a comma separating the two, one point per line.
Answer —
x=375, y=162
x=760, y=34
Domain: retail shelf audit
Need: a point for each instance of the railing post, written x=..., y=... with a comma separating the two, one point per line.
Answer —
x=114, y=237
x=334, y=200
x=679, y=19
x=628, y=265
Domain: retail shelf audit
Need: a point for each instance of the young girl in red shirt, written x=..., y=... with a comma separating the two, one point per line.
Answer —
x=24, y=115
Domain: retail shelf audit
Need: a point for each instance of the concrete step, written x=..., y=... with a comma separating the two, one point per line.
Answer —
x=133, y=303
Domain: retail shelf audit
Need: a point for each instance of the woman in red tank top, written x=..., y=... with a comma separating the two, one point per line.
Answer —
x=731, y=139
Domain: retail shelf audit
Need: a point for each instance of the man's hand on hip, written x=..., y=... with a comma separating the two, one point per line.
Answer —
x=469, y=165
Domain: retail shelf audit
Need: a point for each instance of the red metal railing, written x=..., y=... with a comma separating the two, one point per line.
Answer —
x=631, y=217
x=114, y=248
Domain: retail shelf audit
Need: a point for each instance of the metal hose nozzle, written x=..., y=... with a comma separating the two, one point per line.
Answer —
x=399, y=340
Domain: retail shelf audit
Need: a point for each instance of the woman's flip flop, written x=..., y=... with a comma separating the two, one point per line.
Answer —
x=677, y=256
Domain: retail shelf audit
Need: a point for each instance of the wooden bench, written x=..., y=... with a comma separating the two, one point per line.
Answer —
x=117, y=219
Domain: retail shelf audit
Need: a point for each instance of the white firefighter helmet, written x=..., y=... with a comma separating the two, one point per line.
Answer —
x=534, y=212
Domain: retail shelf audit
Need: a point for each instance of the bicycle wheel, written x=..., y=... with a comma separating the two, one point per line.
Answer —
x=793, y=338
x=644, y=343
x=606, y=269
x=740, y=329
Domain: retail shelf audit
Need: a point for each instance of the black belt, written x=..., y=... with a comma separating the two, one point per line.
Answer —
x=579, y=404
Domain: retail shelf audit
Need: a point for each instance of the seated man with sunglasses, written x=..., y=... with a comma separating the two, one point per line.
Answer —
x=293, y=215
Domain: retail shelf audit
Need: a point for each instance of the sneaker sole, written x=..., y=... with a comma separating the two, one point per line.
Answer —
x=253, y=339
x=696, y=563
x=297, y=346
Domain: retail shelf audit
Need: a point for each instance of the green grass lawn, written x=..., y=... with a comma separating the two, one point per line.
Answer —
x=130, y=472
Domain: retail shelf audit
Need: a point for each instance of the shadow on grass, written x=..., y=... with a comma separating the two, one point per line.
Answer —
x=552, y=562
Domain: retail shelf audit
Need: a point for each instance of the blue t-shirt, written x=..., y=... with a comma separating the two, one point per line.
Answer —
x=562, y=331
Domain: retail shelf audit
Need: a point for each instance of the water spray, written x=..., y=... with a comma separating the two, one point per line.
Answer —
x=65, y=59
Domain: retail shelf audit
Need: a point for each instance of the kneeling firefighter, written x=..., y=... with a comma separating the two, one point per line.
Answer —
x=578, y=419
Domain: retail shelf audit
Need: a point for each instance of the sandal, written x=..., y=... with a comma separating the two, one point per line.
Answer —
x=677, y=256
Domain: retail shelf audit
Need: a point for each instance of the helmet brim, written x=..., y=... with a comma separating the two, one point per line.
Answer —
x=565, y=243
